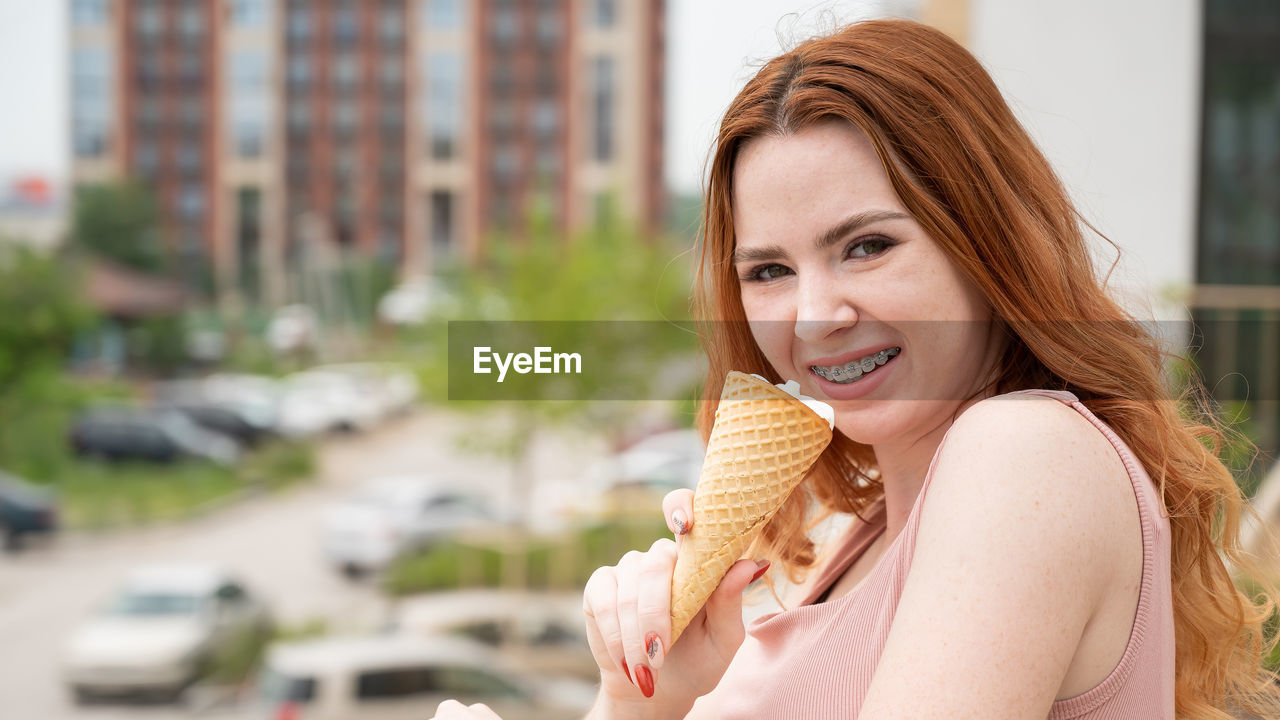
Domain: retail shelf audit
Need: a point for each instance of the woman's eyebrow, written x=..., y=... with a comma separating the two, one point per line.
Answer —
x=830, y=237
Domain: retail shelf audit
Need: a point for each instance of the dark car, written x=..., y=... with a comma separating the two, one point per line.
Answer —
x=218, y=419
x=25, y=509
x=158, y=436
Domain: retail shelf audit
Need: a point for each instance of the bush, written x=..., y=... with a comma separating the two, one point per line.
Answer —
x=543, y=564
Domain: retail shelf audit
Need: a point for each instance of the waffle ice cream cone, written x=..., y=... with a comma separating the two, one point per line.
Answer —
x=762, y=444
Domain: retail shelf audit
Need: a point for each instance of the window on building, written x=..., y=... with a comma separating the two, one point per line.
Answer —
x=505, y=164
x=346, y=70
x=300, y=71
x=442, y=14
x=189, y=156
x=191, y=111
x=250, y=102
x=91, y=101
x=602, y=100
x=1238, y=238
x=550, y=23
x=250, y=13
x=191, y=201
x=505, y=23
x=603, y=13
x=346, y=25
x=548, y=161
x=546, y=118
x=502, y=117
x=442, y=223
x=1239, y=229
x=391, y=71
x=191, y=21
x=502, y=77
x=391, y=22
x=90, y=13
x=148, y=20
x=391, y=116
x=444, y=109
x=299, y=116
x=345, y=116
x=299, y=23
x=146, y=157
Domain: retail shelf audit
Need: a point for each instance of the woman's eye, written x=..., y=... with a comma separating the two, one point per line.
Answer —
x=869, y=246
x=766, y=272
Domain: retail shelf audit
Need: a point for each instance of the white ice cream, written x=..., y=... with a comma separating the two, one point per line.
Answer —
x=792, y=388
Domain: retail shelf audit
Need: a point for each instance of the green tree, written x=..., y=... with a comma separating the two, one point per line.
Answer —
x=118, y=222
x=41, y=313
x=585, y=292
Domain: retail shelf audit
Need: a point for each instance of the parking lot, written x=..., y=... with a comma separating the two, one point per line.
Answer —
x=269, y=541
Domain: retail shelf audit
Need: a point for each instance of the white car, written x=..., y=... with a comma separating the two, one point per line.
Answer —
x=401, y=677
x=637, y=478
x=392, y=388
x=391, y=515
x=415, y=300
x=160, y=631
x=542, y=630
x=316, y=401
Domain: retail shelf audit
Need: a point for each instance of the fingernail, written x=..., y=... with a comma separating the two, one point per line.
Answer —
x=644, y=679
x=763, y=565
x=680, y=521
x=627, y=672
x=653, y=648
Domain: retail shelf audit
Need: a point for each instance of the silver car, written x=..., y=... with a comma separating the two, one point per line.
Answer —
x=160, y=631
x=400, y=677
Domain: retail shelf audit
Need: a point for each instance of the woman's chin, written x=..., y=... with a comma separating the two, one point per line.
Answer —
x=867, y=428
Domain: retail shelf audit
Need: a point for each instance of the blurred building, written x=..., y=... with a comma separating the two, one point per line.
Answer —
x=1162, y=117
x=410, y=129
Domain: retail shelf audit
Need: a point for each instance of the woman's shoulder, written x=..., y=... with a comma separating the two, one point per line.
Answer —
x=1033, y=464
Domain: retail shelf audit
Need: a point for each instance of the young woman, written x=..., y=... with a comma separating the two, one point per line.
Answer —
x=1039, y=532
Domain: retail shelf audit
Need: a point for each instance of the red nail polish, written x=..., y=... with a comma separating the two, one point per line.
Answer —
x=644, y=679
x=759, y=572
x=627, y=672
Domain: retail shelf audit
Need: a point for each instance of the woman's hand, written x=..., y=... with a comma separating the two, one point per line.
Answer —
x=454, y=710
x=628, y=609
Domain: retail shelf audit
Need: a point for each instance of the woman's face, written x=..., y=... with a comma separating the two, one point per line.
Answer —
x=834, y=271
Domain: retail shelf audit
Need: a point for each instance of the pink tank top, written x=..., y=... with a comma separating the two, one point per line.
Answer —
x=817, y=661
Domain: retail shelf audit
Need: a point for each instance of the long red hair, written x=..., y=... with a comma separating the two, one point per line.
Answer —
x=974, y=180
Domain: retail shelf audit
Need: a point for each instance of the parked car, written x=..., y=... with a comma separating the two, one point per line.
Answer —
x=416, y=299
x=401, y=677
x=218, y=419
x=253, y=399
x=25, y=510
x=161, y=631
x=393, y=387
x=640, y=476
x=392, y=515
x=317, y=401
x=120, y=433
x=534, y=629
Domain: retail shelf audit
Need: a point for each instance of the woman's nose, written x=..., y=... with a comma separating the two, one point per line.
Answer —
x=822, y=308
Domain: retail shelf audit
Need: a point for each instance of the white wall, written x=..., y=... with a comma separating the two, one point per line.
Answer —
x=1111, y=92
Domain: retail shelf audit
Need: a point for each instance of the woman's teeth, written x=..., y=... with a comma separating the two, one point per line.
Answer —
x=853, y=371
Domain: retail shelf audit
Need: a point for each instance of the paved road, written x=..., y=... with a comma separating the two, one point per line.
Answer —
x=270, y=541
